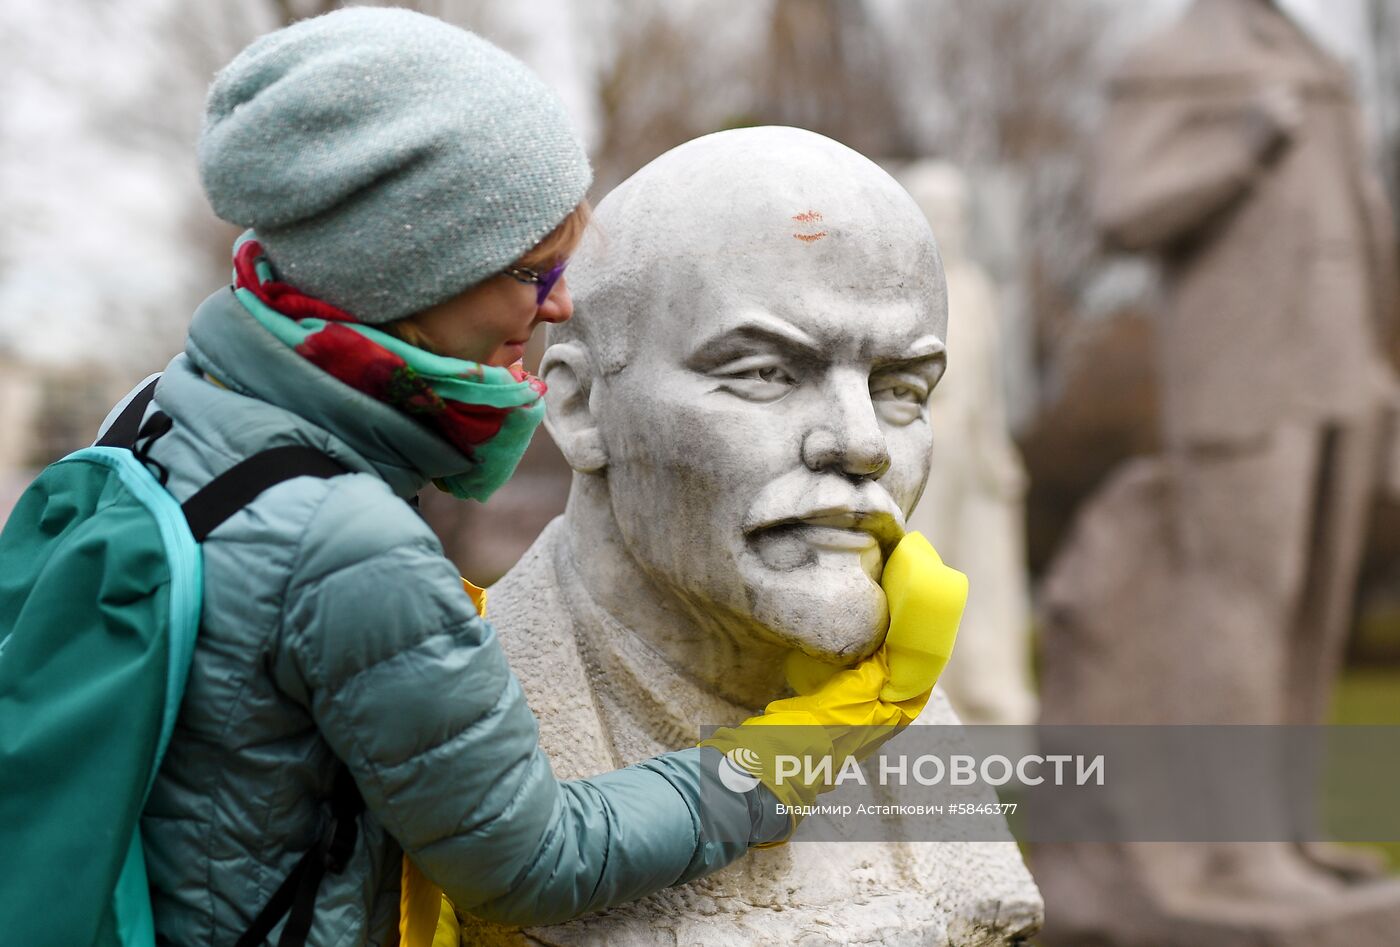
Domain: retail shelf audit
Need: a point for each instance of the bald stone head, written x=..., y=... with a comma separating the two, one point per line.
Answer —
x=759, y=319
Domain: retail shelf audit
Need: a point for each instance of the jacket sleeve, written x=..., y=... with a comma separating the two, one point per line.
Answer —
x=1167, y=163
x=411, y=689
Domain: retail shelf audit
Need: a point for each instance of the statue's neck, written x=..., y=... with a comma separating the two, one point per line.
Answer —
x=719, y=652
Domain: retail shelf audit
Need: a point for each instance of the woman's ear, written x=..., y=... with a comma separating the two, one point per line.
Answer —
x=568, y=371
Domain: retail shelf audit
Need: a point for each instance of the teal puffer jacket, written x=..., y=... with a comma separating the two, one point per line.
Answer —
x=335, y=629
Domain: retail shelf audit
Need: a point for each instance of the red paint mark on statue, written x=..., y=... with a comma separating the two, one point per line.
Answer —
x=808, y=217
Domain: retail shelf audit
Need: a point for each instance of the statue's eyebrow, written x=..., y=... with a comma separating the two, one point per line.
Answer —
x=922, y=351
x=758, y=327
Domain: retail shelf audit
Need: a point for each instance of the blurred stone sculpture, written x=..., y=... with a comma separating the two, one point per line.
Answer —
x=1214, y=584
x=741, y=396
x=973, y=506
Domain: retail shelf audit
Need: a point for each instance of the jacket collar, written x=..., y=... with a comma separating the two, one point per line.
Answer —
x=226, y=342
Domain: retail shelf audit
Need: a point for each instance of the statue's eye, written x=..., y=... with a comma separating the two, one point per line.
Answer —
x=769, y=373
x=907, y=388
x=900, y=397
x=904, y=393
x=757, y=378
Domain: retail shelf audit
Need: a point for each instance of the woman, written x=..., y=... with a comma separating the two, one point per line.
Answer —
x=412, y=195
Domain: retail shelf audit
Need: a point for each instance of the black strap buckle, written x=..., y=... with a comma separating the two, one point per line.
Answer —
x=156, y=427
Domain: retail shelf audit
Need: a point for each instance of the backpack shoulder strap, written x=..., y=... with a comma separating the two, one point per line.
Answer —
x=238, y=486
x=122, y=431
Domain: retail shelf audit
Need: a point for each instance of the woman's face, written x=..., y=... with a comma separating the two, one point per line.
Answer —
x=491, y=322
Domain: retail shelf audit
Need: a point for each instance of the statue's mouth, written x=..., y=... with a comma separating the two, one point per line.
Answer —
x=832, y=537
x=868, y=533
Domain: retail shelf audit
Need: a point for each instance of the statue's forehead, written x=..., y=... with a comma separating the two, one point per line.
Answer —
x=790, y=206
x=767, y=190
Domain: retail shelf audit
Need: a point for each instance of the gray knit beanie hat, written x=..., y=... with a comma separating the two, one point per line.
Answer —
x=387, y=160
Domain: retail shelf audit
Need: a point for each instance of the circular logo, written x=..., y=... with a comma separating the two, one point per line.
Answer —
x=737, y=768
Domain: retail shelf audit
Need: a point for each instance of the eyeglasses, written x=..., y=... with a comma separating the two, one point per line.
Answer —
x=543, y=282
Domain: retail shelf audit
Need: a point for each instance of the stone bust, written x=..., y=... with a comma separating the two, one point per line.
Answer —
x=742, y=396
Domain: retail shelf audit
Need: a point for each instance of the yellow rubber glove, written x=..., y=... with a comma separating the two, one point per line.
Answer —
x=851, y=712
x=478, y=596
x=925, y=600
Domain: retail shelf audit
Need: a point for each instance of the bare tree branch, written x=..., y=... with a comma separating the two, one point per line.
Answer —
x=826, y=68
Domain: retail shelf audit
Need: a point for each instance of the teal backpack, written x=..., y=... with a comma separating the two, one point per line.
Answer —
x=100, y=591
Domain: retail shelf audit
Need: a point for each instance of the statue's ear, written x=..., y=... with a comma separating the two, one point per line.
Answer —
x=567, y=369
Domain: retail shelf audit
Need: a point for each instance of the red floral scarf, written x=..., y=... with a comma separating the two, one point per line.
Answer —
x=488, y=413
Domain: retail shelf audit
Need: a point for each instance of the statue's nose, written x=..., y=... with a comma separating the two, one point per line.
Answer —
x=848, y=439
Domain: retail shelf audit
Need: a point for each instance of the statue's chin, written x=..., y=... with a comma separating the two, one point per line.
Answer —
x=834, y=619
